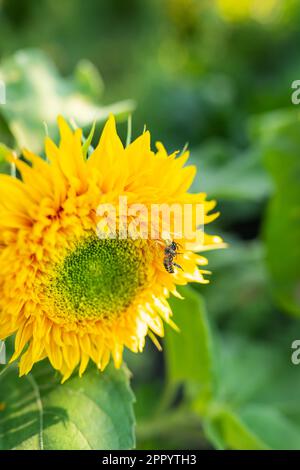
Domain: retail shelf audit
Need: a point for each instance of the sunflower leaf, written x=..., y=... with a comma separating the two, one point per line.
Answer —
x=280, y=142
x=94, y=412
x=256, y=404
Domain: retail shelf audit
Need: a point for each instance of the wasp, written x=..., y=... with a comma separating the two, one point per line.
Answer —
x=171, y=253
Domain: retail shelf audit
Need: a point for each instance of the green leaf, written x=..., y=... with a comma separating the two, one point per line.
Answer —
x=278, y=432
x=230, y=176
x=36, y=93
x=280, y=140
x=227, y=431
x=257, y=401
x=94, y=412
x=89, y=80
x=189, y=352
x=4, y=153
x=249, y=293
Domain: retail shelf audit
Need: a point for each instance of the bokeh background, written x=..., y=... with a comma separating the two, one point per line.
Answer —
x=217, y=75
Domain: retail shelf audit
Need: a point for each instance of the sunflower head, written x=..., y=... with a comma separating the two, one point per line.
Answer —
x=73, y=286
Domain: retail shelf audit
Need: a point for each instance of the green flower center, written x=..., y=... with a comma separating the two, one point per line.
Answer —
x=99, y=278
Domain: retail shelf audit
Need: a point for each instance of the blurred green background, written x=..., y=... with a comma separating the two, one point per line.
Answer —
x=216, y=74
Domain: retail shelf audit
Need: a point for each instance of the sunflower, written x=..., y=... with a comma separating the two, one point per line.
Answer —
x=67, y=293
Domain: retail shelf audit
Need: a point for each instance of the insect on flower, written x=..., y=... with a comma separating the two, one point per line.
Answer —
x=171, y=253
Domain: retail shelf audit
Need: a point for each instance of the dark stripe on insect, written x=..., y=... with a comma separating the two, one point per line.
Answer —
x=168, y=265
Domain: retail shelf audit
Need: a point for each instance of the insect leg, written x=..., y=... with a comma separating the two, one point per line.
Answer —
x=178, y=266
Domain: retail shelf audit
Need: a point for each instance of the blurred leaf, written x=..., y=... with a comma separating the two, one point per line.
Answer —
x=227, y=175
x=280, y=141
x=146, y=399
x=248, y=303
x=227, y=431
x=94, y=412
x=161, y=432
x=252, y=408
x=88, y=79
x=189, y=352
x=188, y=361
x=4, y=153
x=36, y=93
